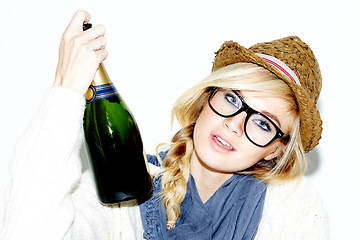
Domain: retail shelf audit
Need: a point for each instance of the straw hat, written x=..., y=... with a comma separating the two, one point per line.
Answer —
x=293, y=61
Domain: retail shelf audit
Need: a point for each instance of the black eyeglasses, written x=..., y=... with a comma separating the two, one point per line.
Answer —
x=258, y=128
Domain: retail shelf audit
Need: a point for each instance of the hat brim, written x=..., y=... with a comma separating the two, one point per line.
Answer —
x=310, y=122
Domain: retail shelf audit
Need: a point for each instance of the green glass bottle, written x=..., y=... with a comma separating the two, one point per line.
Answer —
x=114, y=145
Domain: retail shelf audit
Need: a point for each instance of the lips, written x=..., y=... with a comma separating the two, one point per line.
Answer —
x=221, y=144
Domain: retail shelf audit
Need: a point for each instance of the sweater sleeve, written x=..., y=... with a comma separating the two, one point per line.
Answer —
x=45, y=173
x=293, y=211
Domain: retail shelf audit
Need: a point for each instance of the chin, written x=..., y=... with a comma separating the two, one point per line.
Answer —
x=215, y=164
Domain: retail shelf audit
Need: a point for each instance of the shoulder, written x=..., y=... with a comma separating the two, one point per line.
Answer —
x=293, y=209
x=295, y=190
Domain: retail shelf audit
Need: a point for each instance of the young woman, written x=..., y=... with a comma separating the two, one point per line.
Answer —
x=233, y=171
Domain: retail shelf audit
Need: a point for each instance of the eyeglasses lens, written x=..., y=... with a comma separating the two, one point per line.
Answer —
x=259, y=129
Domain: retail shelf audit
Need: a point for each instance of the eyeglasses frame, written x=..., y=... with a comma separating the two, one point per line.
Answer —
x=249, y=112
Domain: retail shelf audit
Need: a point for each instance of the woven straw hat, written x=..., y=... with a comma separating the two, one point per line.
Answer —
x=293, y=61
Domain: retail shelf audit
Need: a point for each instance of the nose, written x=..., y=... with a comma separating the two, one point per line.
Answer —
x=236, y=124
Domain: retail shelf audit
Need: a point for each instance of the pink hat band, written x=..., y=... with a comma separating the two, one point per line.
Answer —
x=281, y=66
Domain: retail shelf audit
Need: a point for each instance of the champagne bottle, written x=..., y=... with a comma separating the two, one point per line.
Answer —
x=114, y=146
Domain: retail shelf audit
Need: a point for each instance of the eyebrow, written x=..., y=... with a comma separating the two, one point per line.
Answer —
x=272, y=116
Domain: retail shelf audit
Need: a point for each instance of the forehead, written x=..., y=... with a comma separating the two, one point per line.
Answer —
x=271, y=106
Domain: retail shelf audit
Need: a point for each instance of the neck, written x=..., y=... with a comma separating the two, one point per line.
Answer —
x=207, y=180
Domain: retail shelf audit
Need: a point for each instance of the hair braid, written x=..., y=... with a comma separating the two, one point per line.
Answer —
x=177, y=172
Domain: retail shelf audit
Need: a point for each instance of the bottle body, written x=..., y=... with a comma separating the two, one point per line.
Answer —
x=114, y=145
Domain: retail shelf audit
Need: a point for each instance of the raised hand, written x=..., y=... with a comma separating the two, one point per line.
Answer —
x=80, y=53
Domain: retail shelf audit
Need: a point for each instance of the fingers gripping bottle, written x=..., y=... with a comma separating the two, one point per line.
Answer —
x=114, y=145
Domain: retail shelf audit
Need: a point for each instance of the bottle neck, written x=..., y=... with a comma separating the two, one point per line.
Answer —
x=101, y=76
x=101, y=87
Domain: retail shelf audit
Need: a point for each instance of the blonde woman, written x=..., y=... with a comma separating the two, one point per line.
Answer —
x=233, y=171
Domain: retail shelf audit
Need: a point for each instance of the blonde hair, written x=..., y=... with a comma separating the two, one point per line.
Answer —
x=290, y=163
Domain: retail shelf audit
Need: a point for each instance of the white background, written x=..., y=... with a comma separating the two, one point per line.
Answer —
x=158, y=49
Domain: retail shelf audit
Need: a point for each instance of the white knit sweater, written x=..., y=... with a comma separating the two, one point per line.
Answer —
x=49, y=197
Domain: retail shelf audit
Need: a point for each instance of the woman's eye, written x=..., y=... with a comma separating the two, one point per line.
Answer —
x=263, y=124
x=233, y=100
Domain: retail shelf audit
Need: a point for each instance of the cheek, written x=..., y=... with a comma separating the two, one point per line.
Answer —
x=206, y=121
x=206, y=115
x=201, y=127
x=248, y=156
x=267, y=153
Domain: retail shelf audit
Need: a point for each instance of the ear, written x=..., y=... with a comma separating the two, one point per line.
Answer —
x=273, y=154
